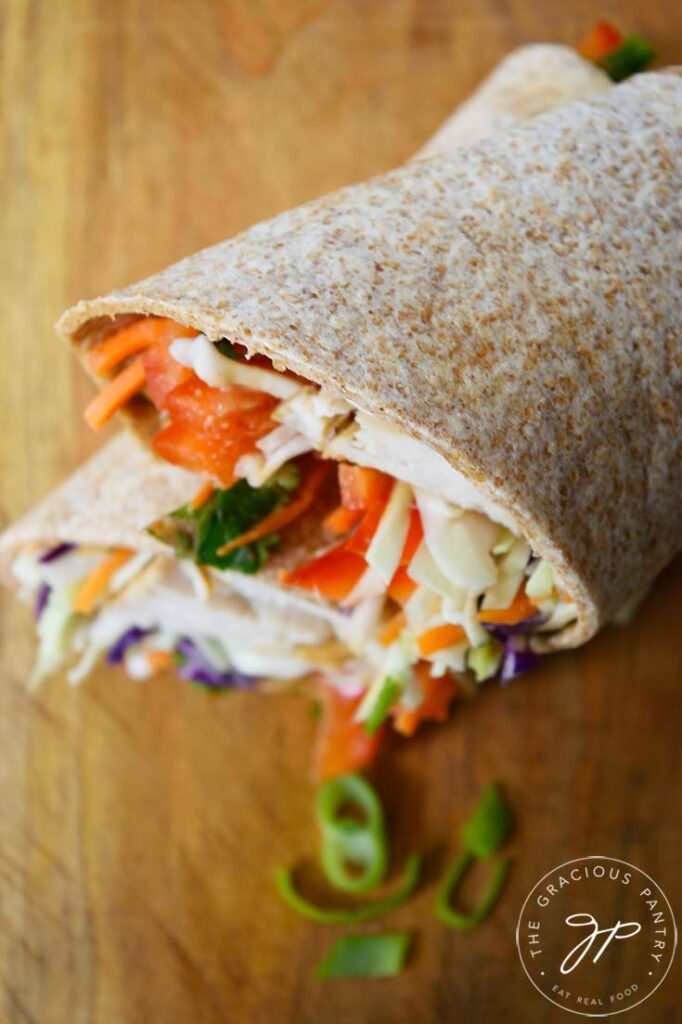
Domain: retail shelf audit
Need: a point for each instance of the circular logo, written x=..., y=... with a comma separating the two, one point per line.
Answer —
x=596, y=936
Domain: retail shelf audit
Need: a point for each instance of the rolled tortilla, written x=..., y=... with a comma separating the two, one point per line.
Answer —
x=514, y=308
x=122, y=489
x=528, y=82
x=107, y=503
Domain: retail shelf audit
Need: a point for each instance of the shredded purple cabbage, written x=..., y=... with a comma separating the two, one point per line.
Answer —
x=198, y=669
x=128, y=639
x=58, y=551
x=42, y=597
x=517, y=658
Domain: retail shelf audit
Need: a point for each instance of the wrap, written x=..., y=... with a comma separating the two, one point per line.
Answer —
x=107, y=504
x=446, y=317
x=528, y=82
x=513, y=309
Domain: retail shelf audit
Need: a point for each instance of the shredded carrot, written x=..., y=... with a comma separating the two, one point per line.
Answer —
x=565, y=596
x=435, y=707
x=94, y=585
x=283, y=516
x=342, y=520
x=158, y=660
x=521, y=608
x=401, y=587
x=115, y=394
x=439, y=637
x=393, y=629
x=201, y=497
x=111, y=351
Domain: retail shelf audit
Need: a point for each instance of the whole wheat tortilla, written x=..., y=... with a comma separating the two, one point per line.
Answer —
x=121, y=490
x=515, y=306
x=528, y=82
x=109, y=501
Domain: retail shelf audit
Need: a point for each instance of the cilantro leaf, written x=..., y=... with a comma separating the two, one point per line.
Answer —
x=200, y=533
x=633, y=56
x=226, y=348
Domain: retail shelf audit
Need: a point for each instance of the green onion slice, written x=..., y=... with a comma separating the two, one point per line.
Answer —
x=342, y=915
x=354, y=853
x=489, y=825
x=366, y=956
x=448, y=915
x=482, y=834
x=386, y=698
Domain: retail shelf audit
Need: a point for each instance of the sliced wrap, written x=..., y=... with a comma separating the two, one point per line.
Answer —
x=513, y=310
x=462, y=351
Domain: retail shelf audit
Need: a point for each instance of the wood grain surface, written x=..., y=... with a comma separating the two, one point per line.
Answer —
x=140, y=824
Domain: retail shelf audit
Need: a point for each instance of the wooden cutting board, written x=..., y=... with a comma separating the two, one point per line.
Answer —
x=140, y=824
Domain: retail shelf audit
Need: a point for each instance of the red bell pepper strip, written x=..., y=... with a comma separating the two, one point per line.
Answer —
x=332, y=575
x=601, y=40
x=360, y=486
x=343, y=745
x=341, y=520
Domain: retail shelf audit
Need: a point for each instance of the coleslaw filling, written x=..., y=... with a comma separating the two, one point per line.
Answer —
x=157, y=606
x=474, y=600
x=472, y=558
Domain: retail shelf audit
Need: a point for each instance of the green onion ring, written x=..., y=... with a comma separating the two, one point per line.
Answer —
x=339, y=915
x=347, y=843
x=444, y=910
